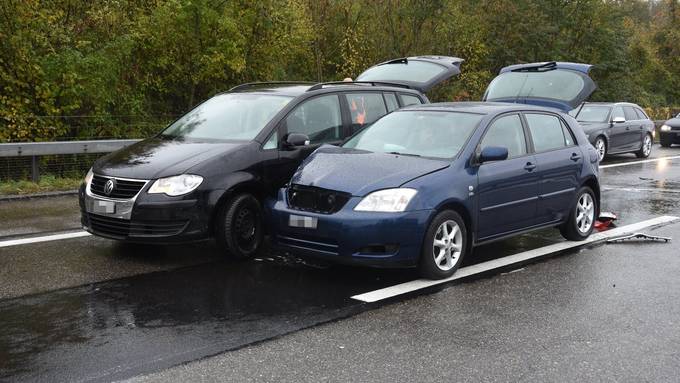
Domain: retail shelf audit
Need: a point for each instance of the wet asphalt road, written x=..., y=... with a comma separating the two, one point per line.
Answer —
x=89, y=310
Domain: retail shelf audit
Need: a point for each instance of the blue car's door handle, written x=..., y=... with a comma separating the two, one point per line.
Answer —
x=530, y=166
x=575, y=157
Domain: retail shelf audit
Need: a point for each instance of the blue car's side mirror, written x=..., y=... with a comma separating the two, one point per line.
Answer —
x=493, y=153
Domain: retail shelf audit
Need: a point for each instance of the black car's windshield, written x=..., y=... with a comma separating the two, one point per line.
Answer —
x=231, y=116
x=558, y=84
x=418, y=133
x=591, y=113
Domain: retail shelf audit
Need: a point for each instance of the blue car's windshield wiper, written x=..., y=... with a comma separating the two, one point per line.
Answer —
x=405, y=154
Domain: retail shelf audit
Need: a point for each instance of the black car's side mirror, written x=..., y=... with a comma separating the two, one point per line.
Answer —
x=618, y=120
x=493, y=153
x=296, y=139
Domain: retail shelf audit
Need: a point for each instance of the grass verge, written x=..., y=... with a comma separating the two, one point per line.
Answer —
x=46, y=184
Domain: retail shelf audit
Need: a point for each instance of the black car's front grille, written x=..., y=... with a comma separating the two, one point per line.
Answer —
x=314, y=199
x=123, y=189
x=122, y=228
x=675, y=127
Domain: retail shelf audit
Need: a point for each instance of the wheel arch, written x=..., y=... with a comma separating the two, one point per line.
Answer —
x=594, y=185
x=464, y=213
x=245, y=183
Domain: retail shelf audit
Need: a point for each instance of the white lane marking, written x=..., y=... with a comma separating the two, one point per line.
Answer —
x=660, y=190
x=407, y=287
x=46, y=238
x=639, y=162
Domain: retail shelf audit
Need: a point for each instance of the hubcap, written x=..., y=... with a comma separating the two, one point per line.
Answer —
x=447, y=246
x=601, y=148
x=647, y=145
x=585, y=213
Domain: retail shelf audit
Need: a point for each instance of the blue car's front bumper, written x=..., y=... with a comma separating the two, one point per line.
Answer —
x=351, y=237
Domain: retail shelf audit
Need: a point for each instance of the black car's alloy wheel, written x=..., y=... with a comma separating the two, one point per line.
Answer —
x=601, y=147
x=646, y=148
x=239, y=227
x=582, y=218
x=444, y=247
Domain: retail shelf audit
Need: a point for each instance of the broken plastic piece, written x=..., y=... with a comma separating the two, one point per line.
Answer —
x=605, y=220
x=639, y=236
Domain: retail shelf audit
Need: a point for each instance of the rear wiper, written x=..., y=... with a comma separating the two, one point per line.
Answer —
x=404, y=154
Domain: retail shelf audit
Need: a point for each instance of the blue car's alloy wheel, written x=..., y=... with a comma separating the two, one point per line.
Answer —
x=581, y=221
x=444, y=246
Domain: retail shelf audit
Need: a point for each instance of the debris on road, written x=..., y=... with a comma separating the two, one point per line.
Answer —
x=605, y=220
x=642, y=236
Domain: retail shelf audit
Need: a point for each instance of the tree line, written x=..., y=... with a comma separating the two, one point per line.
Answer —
x=123, y=68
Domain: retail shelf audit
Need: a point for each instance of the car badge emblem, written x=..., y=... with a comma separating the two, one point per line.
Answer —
x=109, y=186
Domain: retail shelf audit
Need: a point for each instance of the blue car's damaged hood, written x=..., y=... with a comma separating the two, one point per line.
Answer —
x=360, y=172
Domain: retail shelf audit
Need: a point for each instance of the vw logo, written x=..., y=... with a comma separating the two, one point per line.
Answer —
x=109, y=186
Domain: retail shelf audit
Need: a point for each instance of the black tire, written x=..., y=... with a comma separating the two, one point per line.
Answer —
x=428, y=267
x=239, y=228
x=601, y=151
x=570, y=229
x=665, y=141
x=643, y=153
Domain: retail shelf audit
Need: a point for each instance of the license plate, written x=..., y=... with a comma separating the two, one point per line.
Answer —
x=107, y=207
x=302, y=221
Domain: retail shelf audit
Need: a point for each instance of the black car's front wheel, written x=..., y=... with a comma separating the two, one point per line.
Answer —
x=581, y=219
x=444, y=247
x=239, y=229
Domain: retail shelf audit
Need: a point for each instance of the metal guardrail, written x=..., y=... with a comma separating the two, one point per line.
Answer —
x=37, y=149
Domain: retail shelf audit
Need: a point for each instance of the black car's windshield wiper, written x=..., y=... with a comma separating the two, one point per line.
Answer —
x=405, y=154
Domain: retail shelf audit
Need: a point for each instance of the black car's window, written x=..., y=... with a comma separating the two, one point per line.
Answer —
x=641, y=114
x=506, y=132
x=365, y=108
x=407, y=99
x=591, y=113
x=319, y=118
x=272, y=142
x=547, y=132
x=230, y=116
x=391, y=100
x=630, y=114
x=617, y=112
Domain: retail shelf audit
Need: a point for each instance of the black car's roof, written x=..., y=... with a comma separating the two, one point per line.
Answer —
x=612, y=103
x=297, y=89
x=477, y=107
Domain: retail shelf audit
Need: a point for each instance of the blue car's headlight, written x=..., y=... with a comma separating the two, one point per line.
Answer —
x=177, y=185
x=388, y=200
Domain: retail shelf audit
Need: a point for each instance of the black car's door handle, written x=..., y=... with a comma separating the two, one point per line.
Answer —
x=529, y=166
x=575, y=157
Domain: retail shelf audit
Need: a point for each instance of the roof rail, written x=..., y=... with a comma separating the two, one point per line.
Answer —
x=371, y=83
x=253, y=84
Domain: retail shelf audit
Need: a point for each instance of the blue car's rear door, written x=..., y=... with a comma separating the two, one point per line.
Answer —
x=559, y=161
x=507, y=190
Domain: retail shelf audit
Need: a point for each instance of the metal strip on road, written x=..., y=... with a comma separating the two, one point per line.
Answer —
x=418, y=284
x=639, y=162
x=45, y=238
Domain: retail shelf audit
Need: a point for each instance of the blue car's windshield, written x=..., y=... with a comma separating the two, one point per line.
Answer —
x=420, y=133
x=231, y=116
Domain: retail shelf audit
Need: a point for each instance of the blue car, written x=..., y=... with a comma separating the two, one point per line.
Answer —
x=425, y=184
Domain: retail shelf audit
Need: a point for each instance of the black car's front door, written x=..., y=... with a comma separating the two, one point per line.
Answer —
x=321, y=119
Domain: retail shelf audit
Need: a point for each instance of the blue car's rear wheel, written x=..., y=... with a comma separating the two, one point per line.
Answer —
x=444, y=247
x=582, y=218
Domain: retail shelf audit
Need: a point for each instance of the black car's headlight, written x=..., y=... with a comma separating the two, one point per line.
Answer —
x=387, y=201
x=88, y=177
x=176, y=185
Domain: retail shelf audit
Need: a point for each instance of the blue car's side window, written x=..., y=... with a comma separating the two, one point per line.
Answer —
x=547, y=132
x=506, y=132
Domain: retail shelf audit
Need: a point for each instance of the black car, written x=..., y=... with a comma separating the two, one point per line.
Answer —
x=669, y=133
x=615, y=128
x=207, y=173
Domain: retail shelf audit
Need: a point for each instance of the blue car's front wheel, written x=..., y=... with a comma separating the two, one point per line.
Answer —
x=444, y=247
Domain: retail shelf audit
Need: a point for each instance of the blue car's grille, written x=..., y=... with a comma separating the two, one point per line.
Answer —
x=314, y=199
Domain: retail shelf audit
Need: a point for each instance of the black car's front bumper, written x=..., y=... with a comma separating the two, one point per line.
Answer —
x=670, y=137
x=145, y=219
